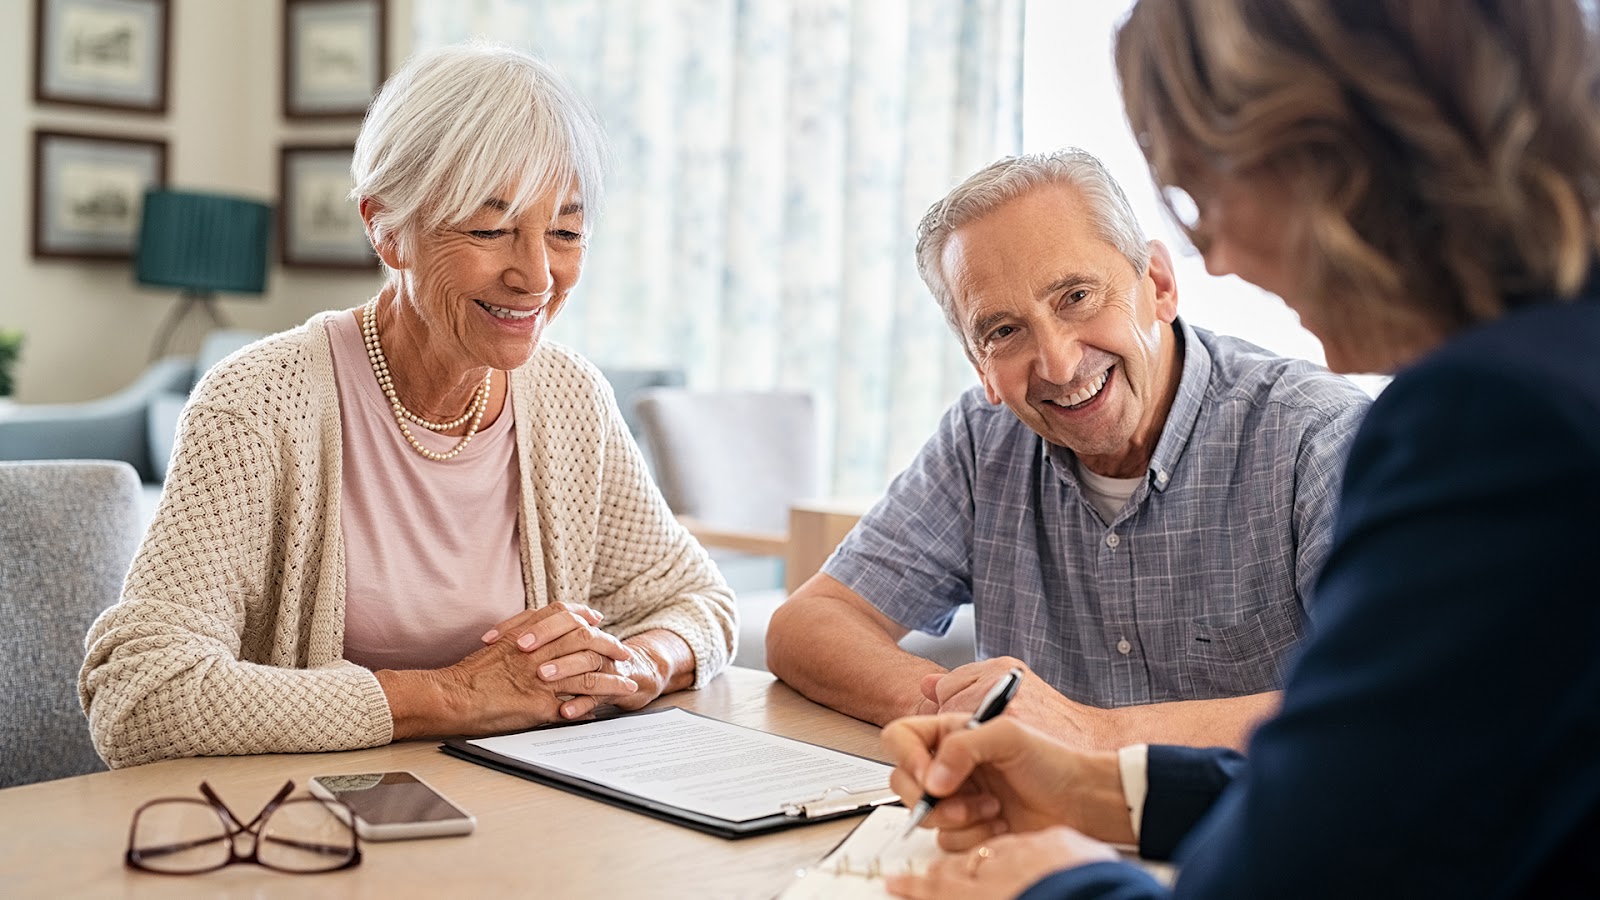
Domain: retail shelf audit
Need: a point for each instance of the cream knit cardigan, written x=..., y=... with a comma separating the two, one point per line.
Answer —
x=229, y=635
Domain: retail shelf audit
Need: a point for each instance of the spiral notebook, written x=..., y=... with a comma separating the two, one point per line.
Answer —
x=710, y=775
x=877, y=848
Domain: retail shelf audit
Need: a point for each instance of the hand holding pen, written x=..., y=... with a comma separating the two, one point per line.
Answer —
x=1006, y=777
x=994, y=703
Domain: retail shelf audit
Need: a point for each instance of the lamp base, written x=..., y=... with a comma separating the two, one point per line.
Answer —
x=187, y=301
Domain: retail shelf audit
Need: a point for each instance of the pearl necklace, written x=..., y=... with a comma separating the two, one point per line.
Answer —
x=380, y=369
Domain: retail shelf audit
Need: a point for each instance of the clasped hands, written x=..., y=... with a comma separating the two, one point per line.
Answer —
x=553, y=664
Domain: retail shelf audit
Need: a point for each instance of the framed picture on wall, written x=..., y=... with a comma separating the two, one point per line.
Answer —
x=109, y=54
x=333, y=57
x=88, y=191
x=319, y=226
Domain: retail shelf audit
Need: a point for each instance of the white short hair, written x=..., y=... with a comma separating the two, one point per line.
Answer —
x=455, y=126
x=1110, y=214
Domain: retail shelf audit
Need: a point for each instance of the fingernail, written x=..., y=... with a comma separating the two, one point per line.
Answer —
x=632, y=685
x=569, y=710
x=989, y=807
x=490, y=635
x=939, y=776
x=548, y=671
x=527, y=641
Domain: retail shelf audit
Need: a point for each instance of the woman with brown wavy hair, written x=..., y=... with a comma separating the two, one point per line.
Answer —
x=1420, y=181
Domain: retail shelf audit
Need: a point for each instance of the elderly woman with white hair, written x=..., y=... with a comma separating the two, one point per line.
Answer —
x=415, y=517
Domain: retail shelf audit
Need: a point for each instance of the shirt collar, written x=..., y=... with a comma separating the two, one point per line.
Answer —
x=1192, y=381
x=1185, y=409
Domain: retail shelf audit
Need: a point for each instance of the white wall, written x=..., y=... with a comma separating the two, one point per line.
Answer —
x=89, y=328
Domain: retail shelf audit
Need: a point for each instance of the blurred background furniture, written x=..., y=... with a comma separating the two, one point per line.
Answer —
x=136, y=425
x=67, y=535
x=627, y=384
x=730, y=464
x=201, y=244
x=743, y=469
x=112, y=427
x=815, y=528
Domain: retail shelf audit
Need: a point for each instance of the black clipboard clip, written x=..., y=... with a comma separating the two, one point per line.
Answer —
x=836, y=800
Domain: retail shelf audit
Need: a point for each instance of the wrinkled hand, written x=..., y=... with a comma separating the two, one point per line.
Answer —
x=1002, y=867
x=570, y=652
x=1037, y=703
x=1003, y=777
x=534, y=662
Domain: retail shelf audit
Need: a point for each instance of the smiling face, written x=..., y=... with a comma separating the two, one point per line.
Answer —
x=484, y=290
x=1063, y=331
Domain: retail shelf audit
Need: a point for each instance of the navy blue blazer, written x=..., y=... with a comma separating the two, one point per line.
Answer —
x=1440, y=735
x=1182, y=784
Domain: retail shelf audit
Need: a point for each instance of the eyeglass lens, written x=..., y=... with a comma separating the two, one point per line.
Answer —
x=188, y=836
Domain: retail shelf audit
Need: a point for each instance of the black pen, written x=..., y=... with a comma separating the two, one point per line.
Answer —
x=994, y=703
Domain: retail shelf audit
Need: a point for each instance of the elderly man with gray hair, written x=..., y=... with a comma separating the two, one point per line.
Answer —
x=1136, y=508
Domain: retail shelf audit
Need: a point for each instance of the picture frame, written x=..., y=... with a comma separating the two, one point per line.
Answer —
x=103, y=54
x=334, y=56
x=88, y=192
x=319, y=227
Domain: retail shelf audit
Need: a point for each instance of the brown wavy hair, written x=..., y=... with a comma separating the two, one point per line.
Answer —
x=1445, y=153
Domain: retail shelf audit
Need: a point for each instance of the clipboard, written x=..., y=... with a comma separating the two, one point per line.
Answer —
x=823, y=805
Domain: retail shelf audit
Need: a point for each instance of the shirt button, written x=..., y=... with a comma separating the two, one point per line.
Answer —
x=1124, y=647
x=1161, y=477
x=1112, y=540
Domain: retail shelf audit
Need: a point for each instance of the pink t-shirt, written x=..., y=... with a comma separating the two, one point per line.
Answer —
x=431, y=556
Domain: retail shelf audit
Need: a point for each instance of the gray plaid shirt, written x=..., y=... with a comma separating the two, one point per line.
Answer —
x=1197, y=588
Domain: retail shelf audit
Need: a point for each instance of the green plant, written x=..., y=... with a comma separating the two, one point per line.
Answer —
x=10, y=349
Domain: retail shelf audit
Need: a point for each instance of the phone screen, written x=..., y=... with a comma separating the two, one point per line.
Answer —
x=383, y=798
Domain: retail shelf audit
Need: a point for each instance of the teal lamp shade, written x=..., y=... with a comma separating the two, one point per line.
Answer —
x=203, y=242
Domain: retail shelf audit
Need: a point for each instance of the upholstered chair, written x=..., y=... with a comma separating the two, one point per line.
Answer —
x=68, y=529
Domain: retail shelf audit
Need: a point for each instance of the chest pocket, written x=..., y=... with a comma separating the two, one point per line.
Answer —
x=1228, y=657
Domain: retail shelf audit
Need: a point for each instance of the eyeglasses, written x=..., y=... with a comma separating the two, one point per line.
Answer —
x=184, y=836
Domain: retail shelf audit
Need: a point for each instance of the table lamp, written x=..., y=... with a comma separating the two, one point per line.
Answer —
x=201, y=243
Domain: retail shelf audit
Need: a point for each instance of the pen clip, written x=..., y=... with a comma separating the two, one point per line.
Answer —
x=838, y=800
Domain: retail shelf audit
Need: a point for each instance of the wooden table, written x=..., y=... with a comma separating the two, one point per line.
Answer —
x=67, y=837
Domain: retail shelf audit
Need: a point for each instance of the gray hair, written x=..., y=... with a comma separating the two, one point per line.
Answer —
x=458, y=125
x=1006, y=179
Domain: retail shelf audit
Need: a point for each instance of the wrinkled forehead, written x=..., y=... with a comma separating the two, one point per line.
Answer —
x=1028, y=243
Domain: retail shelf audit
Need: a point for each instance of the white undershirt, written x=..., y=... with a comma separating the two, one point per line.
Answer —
x=1106, y=495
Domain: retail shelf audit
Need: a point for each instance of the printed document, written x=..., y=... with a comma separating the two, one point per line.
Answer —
x=703, y=765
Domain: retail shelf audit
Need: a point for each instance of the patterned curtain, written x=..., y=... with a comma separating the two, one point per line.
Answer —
x=772, y=159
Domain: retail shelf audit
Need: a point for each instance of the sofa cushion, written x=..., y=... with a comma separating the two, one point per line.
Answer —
x=162, y=422
x=218, y=344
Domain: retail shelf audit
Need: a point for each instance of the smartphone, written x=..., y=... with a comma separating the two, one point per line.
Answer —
x=390, y=806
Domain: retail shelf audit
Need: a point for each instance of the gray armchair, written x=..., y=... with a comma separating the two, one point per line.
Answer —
x=627, y=385
x=135, y=425
x=66, y=538
x=732, y=464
